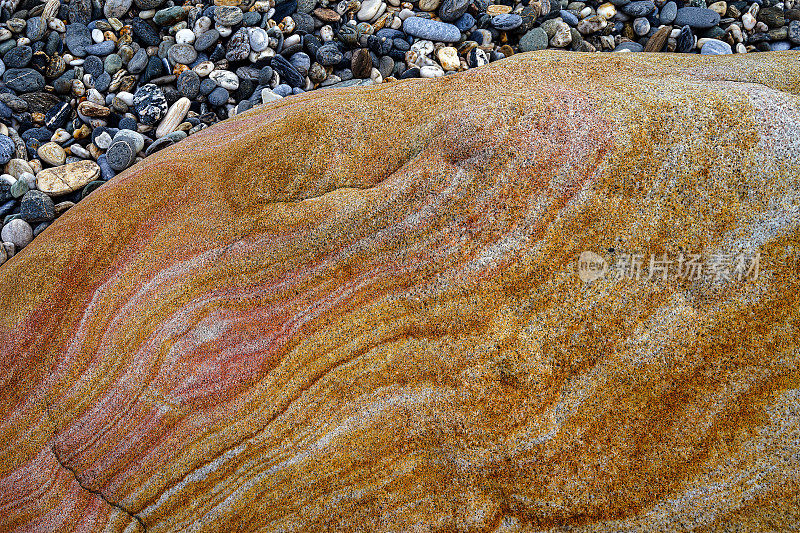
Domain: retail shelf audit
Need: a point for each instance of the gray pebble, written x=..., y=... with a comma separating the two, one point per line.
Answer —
x=18, y=232
x=36, y=206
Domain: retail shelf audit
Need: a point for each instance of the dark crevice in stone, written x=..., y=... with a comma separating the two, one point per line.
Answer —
x=80, y=483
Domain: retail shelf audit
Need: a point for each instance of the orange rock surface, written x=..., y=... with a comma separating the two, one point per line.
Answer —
x=362, y=310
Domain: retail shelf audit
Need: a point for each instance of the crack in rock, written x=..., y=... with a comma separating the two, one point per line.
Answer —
x=75, y=475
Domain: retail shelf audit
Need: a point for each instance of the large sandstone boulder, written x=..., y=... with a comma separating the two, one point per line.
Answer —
x=363, y=310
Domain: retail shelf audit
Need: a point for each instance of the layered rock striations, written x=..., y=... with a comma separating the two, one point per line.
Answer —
x=362, y=310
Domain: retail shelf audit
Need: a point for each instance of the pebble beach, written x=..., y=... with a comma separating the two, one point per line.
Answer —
x=89, y=87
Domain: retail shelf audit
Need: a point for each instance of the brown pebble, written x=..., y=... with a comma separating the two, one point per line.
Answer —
x=658, y=40
x=329, y=16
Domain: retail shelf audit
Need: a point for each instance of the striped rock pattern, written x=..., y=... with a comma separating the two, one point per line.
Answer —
x=353, y=311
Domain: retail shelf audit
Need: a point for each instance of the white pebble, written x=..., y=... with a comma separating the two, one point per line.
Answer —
x=97, y=36
x=61, y=136
x=607, y=11
x=741, y=48
x=381, y=11
x=369, y=8
x=405, y=13
x=290, y=41
x=147, y=14
x=17, y=231
x=736, y=33
x=748, y=21
x=28, y=178
x=79, y=151
x=57, y=25
x=448, y=58
x=202, y=25
x=258, y=39
x=326, y=33
x=268, y=95
x=204, y=68
x=184, y=36
x=264, y=54
x=224, y=31
x=431, y=71
x=93, y=95
x=422, y=47
x=125, y=97
x=175, y=115
x=225, y=79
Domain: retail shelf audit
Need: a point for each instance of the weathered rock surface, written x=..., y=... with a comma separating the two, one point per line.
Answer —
x=328, y=321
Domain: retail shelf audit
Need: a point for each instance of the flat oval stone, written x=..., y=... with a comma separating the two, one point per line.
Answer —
x=639, y=8
x=36, y=29
x=145, y=32
x=226, y=78
x=227, y=15
x=8, y=149
x=117, y=8
x=431, y=30
x=508, y=22
x=36, y=206
x=133, y=138
x=207, y=40
x=329, y=55
x=451, y=10
x=169, y=16
x=696, y=17
x=138, y=62
x=148, y=4
x=18, y=57
x=66, y=178
x=218, y=96
x=77, y=38
x=120, y=155
x=102, y=48
x=23, y=80
x=629, y=47
x=259, y=40
x=189, y=84
x=535, y=39
x=80, y=11
x=19, y=232
x=182, y=53
x=715, y=47
x=668, y=13
x=52, y=154
x=301, y=62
